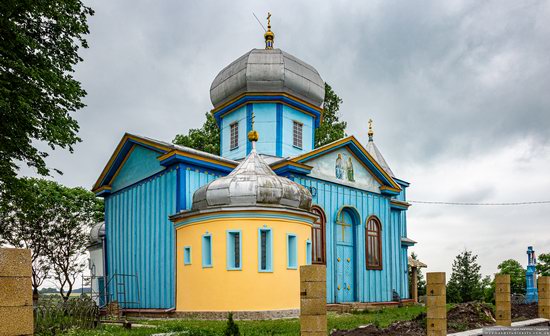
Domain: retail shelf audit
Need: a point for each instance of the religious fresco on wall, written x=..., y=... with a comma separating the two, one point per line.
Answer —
x=343, y=168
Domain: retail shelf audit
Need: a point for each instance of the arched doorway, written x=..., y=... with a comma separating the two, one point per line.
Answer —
x=346, y=220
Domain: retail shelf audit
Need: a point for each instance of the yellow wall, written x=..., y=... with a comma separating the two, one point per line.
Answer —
x=218, y=289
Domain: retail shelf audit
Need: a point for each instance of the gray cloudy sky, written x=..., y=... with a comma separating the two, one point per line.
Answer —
x=459, y=92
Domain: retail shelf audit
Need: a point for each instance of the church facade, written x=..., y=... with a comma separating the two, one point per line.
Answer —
x=190, y=231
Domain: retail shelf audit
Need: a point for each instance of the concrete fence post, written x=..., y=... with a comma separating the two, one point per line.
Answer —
x=503, y=301
x=16, y=315
x=436, y=304
x=313, y=300
x=543, y=285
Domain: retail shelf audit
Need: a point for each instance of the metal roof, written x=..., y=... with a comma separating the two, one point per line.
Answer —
x=416, y=263
x=268, y=70
x=252, y=183
x=97, y=233
x=375, y=153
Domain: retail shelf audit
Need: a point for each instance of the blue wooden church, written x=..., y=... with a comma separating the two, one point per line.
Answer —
x=361, y=230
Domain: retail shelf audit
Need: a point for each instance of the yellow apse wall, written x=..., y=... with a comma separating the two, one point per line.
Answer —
x=220, y=289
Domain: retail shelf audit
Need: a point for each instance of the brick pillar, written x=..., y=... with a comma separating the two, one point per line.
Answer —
x=436, y=304
x=503, y=300
x=543, y=285
x=313, y=300
x=414, y=284
x=16, y=315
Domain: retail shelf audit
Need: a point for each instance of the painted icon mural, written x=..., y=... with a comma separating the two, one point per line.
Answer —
x=344, y=168
x=349, y=169
x=339, y=167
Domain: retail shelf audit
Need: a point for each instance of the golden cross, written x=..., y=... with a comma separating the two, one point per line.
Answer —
x=343, y=224
x=371, y=132
x=268, y=19
x=252, y=117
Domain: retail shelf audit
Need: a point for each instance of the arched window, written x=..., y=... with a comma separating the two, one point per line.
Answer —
x=318, y=236
x=373, y=244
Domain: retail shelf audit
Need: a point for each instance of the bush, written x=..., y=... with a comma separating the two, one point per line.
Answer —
x=231, y=329
x=52, y=315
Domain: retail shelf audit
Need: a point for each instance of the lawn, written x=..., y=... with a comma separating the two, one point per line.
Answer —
x=381, y=318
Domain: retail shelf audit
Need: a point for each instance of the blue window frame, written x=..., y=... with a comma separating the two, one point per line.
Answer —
x=207, y=250
x=265, y=250
x=187, y=255
x=234, y=250
x=308, y=252
x=291, y=251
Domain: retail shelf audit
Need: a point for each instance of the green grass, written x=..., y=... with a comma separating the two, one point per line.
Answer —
x=382, y=318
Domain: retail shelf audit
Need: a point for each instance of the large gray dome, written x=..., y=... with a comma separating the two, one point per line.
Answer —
x=252, y=183
x=268, y=70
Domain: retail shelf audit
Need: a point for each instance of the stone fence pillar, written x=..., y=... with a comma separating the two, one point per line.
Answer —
x=16, y=312
x=313, y=300
x=543, y=285
x=503, y=300
x=436, y=304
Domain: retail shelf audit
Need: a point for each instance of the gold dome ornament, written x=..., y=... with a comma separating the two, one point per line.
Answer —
x=253, y=136
x=269, y=35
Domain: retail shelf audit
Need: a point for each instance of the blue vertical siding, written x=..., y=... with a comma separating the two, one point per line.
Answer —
x=289, y=116
x=372, y=285
x=239, y=115
x=194, y=179
x=140, y=240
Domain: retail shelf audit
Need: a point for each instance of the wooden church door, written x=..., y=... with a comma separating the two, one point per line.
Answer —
x=345, y=257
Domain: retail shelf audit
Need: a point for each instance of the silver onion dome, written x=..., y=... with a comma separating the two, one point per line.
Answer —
x=252, y=183
x=268, y=71
x=97, y=232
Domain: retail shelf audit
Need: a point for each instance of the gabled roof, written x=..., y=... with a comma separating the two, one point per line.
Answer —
x=168, y=154
x=383, y=176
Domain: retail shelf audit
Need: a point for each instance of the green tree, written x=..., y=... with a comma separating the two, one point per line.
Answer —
x=206, y=138
x=53, y=221
x=543, y=264
x=517, y=275
x=465, y=283
x=331, y=128
x=488, y=286
x=39, y=43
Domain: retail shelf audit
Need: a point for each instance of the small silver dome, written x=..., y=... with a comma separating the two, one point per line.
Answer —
x=268, y=70
x=252, y=183
x=97, y=233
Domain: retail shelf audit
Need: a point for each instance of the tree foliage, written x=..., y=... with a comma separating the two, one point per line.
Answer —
x=489, y=287
x=39, y=43
x=231, y=328
x=543, y=264
x=465, y=283
x=206, y=138
x=517, y=275
x=52, y=220
x=331, y=128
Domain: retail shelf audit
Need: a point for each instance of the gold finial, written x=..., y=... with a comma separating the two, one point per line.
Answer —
x=371, y=132
x=253, y=135
x=269, y=36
